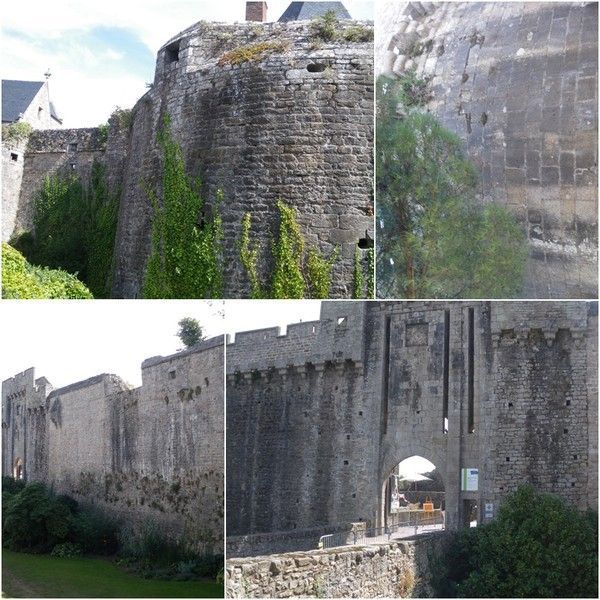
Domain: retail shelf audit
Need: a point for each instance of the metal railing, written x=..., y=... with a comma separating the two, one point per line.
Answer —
x=412, y=522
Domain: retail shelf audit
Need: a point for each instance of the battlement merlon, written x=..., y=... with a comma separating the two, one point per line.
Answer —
x=336, y=337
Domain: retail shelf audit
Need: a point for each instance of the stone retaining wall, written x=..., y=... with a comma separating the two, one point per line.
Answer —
x=397, y=569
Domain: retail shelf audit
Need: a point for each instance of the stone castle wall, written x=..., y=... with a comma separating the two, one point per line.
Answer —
x=464, y=385
x=395, y=570
x=153, y=453
x=517, y=82
x=295, y=124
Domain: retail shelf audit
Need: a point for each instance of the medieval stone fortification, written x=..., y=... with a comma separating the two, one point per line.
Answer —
x=295, y=123
x=318, y=418
x=518, y=83
x=153, y=453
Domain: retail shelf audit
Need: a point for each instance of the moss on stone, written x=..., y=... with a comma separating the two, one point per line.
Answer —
x=251, y=52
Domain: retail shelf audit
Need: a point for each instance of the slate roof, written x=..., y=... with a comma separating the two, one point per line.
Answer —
x=16, y=97
x=305, y=11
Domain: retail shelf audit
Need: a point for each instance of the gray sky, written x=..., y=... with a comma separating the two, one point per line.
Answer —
x=101, y=54
x=67, y=341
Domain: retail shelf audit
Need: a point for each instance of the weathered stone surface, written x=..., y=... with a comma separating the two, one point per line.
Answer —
x=318, y=418
x=295, y=123
x=150, y=453
x=518, y=83
x=394, y=570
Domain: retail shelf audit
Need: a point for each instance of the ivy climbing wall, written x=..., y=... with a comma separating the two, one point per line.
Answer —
x=263, y=112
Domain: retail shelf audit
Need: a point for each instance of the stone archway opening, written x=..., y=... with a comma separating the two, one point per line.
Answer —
x=18, y=469
x=413, y=498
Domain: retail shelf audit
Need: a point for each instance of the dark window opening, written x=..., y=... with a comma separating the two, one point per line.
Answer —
x=360, y=413
x=14, y=156
x=574, y=456
x=565, y=431
x=446, y=371
x=72, y=147
x=316, y=67
x=471, y=388
x=166, y=399
x=510, y=405
x=365, y=243
x=172, y=53
x=172, y=374
x=508, y=459
x=206, y=381
x=568, y=403
x=345, y=462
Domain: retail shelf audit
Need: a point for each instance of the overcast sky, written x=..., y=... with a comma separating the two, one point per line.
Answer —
x=70, y=341
x=101, y=54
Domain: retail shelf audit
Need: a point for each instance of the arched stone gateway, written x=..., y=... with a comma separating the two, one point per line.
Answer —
x=493, y=394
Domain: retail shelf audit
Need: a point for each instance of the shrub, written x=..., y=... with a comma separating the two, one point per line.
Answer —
x=66, y=550
x=187, y=255
x=358, y=33
x=538, y=547
x=325, y=28
x=16, y=132
x=20, y=280
x=95, y=533
x=12, y=486
x=35, y=520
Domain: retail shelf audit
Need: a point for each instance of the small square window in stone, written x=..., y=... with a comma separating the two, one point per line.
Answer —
x=172, y=374
x=72, y=147
x=172, y=53
x=417, y=334
x=14, y=156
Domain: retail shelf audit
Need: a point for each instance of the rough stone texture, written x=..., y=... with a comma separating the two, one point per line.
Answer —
x=394, y=570
x=150, y=453
x=313, y=436
x=517, y=82
x=294, y=124
x=12, y=175
x=263, y=130
x=282, y=541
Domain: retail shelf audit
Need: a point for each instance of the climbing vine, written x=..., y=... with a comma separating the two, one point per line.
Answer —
x=357, y=276
x=296, y=273
x=186, y=260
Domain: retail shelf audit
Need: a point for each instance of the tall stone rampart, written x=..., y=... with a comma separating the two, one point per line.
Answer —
x=295, y=122
x=153, y=453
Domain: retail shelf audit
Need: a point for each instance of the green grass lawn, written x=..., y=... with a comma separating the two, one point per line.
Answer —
x=43, y=576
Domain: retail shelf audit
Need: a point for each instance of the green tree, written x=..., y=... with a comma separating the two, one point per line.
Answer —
x=435, y=240
x=187, y=255
x=190, y=332
x=537, y=547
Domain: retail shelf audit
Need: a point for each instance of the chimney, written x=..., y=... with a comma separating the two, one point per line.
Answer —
x=256, y=11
